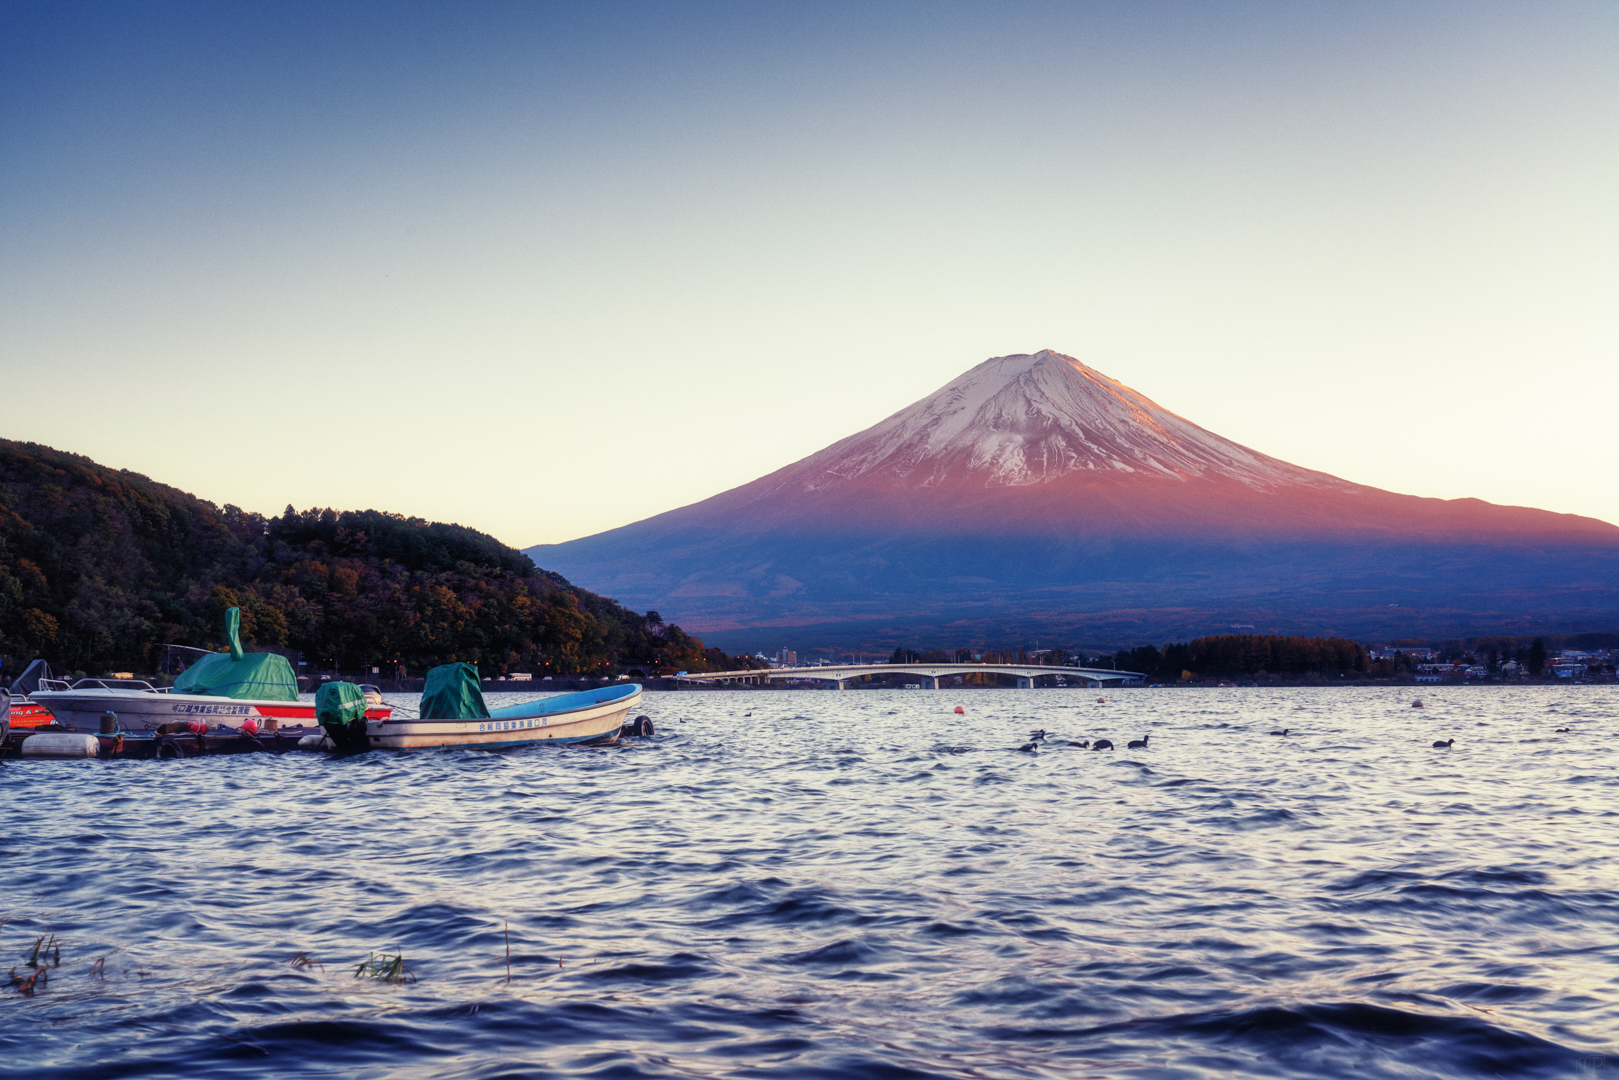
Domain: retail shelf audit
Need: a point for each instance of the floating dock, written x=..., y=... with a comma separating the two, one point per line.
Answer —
x=54, y=741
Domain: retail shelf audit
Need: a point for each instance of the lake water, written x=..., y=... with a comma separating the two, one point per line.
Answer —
x=857, y=884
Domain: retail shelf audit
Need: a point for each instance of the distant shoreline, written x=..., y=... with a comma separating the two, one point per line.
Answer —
x=561, y=684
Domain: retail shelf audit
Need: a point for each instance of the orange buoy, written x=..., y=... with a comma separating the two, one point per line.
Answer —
x=960, y=711
x=1101, y=701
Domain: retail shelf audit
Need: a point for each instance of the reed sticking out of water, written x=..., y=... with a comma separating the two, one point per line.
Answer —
x=98, y=970
x=42, y=949
x=303, y=962
x=385, y=968
x=39, y=974
x=26, y=987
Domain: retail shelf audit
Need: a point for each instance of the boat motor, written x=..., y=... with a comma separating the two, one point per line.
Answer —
x=340, y=709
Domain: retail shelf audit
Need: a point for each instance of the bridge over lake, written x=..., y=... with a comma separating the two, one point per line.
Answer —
x=927, y=676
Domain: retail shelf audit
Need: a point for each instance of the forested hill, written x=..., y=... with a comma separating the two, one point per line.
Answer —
x=99, y=567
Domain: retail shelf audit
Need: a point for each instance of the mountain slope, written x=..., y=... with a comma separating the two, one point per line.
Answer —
x=1034, y=488
x=1031, y=419
x=99, y=567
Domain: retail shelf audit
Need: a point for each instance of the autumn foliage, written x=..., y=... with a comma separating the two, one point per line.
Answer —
x=99, y=567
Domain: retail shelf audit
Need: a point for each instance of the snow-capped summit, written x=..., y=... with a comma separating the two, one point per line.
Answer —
x=1033, y=487
x=1030, y=418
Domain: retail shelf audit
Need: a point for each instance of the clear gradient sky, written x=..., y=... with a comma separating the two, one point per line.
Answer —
x=549, y=269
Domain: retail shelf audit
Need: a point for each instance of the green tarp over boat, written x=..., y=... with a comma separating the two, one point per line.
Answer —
x=265, y=676
x=340, y=709
x=339, y=703
x=451, y=693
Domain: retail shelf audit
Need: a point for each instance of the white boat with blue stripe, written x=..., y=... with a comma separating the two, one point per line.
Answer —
x=589, y=716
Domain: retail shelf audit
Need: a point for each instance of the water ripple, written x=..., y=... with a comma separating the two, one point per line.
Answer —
x=849, y=885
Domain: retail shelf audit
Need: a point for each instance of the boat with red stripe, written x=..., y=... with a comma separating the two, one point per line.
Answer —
x=225, y=691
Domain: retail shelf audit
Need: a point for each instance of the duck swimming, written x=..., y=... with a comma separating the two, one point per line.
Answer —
x=1086, y=745
x=1138, y=744
x=1442, y=744
x=1102, y=744
x=1284, y=731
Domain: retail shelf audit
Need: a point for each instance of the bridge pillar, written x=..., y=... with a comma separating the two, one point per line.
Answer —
x=1025, y=683
x=837, y=684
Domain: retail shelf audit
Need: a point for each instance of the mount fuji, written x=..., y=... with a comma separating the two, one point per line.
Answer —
x=1034, y=496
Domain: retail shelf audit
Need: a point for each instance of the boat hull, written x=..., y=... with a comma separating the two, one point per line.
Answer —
x=595, y=717
x=26, y=715
x=142, y=710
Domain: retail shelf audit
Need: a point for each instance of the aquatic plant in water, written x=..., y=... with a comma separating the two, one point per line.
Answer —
x=388, y=969
x=39, y=973
x=43, y=948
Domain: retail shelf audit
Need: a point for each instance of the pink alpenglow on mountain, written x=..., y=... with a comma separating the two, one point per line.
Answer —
x=1034, y=494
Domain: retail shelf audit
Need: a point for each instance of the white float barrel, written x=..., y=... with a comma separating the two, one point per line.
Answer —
x=61, y=744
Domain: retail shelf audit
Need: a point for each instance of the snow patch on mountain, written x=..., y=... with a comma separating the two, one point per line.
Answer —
x=1030, y=418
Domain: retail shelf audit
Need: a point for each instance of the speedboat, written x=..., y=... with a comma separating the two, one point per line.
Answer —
x=142, y=707
x=230, y=691
x=453, y=714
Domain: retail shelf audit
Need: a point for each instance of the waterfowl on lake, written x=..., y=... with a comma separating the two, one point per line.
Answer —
x=1027, y=748
x=1284, y=731
x=1442, y=744
x=1102, y=744
x=1562, y=730
x=1138, y=744
x=1038, y=734
x=1086, y=745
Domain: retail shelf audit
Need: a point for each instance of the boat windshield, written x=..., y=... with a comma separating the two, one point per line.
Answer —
x=114, y=684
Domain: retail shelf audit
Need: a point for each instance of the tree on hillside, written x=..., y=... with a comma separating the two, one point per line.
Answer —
x=1143, y=658
x=1536, y=660
x=1177, y=659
